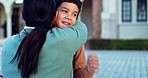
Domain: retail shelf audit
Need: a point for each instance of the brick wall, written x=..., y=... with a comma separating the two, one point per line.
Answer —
x=97, y=9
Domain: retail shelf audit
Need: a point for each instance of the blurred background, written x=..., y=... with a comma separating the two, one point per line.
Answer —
x=114, y=22
x=117, y=33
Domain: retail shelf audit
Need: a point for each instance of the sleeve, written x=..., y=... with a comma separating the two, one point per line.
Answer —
x=79, y=65
x=74, y=36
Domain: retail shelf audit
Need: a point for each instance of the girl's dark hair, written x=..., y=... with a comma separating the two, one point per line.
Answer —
x=77, y=2
x=38, y=14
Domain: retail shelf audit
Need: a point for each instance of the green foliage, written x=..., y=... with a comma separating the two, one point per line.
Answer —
x=118, y=44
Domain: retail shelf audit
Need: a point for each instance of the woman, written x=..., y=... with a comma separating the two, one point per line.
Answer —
x=40, y=50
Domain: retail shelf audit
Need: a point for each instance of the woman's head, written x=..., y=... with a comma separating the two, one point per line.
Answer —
x=36, y=12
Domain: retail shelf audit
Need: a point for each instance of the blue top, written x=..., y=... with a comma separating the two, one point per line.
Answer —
x=55, y=60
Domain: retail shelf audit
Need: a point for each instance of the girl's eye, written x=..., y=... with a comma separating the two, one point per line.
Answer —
x=75, y=15
x=65, y=11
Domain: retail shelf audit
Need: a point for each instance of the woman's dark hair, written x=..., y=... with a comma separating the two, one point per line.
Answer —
x=77, y=2
x=38, y=14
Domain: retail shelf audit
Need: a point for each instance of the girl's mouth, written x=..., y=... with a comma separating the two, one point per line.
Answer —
x=67, y=24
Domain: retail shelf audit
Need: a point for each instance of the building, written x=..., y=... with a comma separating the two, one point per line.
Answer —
x=125, y=19
x=120, y=19
x=105, y=19
x=10, y=18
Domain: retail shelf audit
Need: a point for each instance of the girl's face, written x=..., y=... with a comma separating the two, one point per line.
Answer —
x=66, y=15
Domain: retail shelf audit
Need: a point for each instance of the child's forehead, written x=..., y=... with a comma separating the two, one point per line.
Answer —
x=69, y=5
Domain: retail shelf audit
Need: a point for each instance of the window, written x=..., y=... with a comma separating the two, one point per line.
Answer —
x=141, y=10
x=126, y=11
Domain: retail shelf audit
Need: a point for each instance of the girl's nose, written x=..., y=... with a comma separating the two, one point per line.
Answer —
x=68, y=17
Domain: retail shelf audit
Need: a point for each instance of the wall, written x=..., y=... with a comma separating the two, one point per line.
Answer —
x=133, y=31
x=109, y=20
x=86, y=16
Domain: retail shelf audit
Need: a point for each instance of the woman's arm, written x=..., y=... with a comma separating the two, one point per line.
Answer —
x=73, y=36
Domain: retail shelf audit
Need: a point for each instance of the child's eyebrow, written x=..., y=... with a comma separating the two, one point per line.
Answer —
x=64, y=8
x=68, y=9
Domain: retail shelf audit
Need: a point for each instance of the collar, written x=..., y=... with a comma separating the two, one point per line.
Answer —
x=27, y=27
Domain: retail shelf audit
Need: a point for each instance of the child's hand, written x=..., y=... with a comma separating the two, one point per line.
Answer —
x=92, y=63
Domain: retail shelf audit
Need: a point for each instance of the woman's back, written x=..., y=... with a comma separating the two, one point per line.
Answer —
x=55, y=59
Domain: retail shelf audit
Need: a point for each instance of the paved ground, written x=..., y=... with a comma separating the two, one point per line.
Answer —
x=118, y=64
x=122, y=64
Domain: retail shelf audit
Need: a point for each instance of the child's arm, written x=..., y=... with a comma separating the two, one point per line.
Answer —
x=81, y=69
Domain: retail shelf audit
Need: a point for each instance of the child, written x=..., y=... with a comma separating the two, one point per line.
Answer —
x=66, y=15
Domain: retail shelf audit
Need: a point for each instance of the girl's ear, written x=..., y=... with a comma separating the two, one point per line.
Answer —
x=55, y=18
x=56, y=13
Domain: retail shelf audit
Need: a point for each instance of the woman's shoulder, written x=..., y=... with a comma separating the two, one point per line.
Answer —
x=11, y=41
